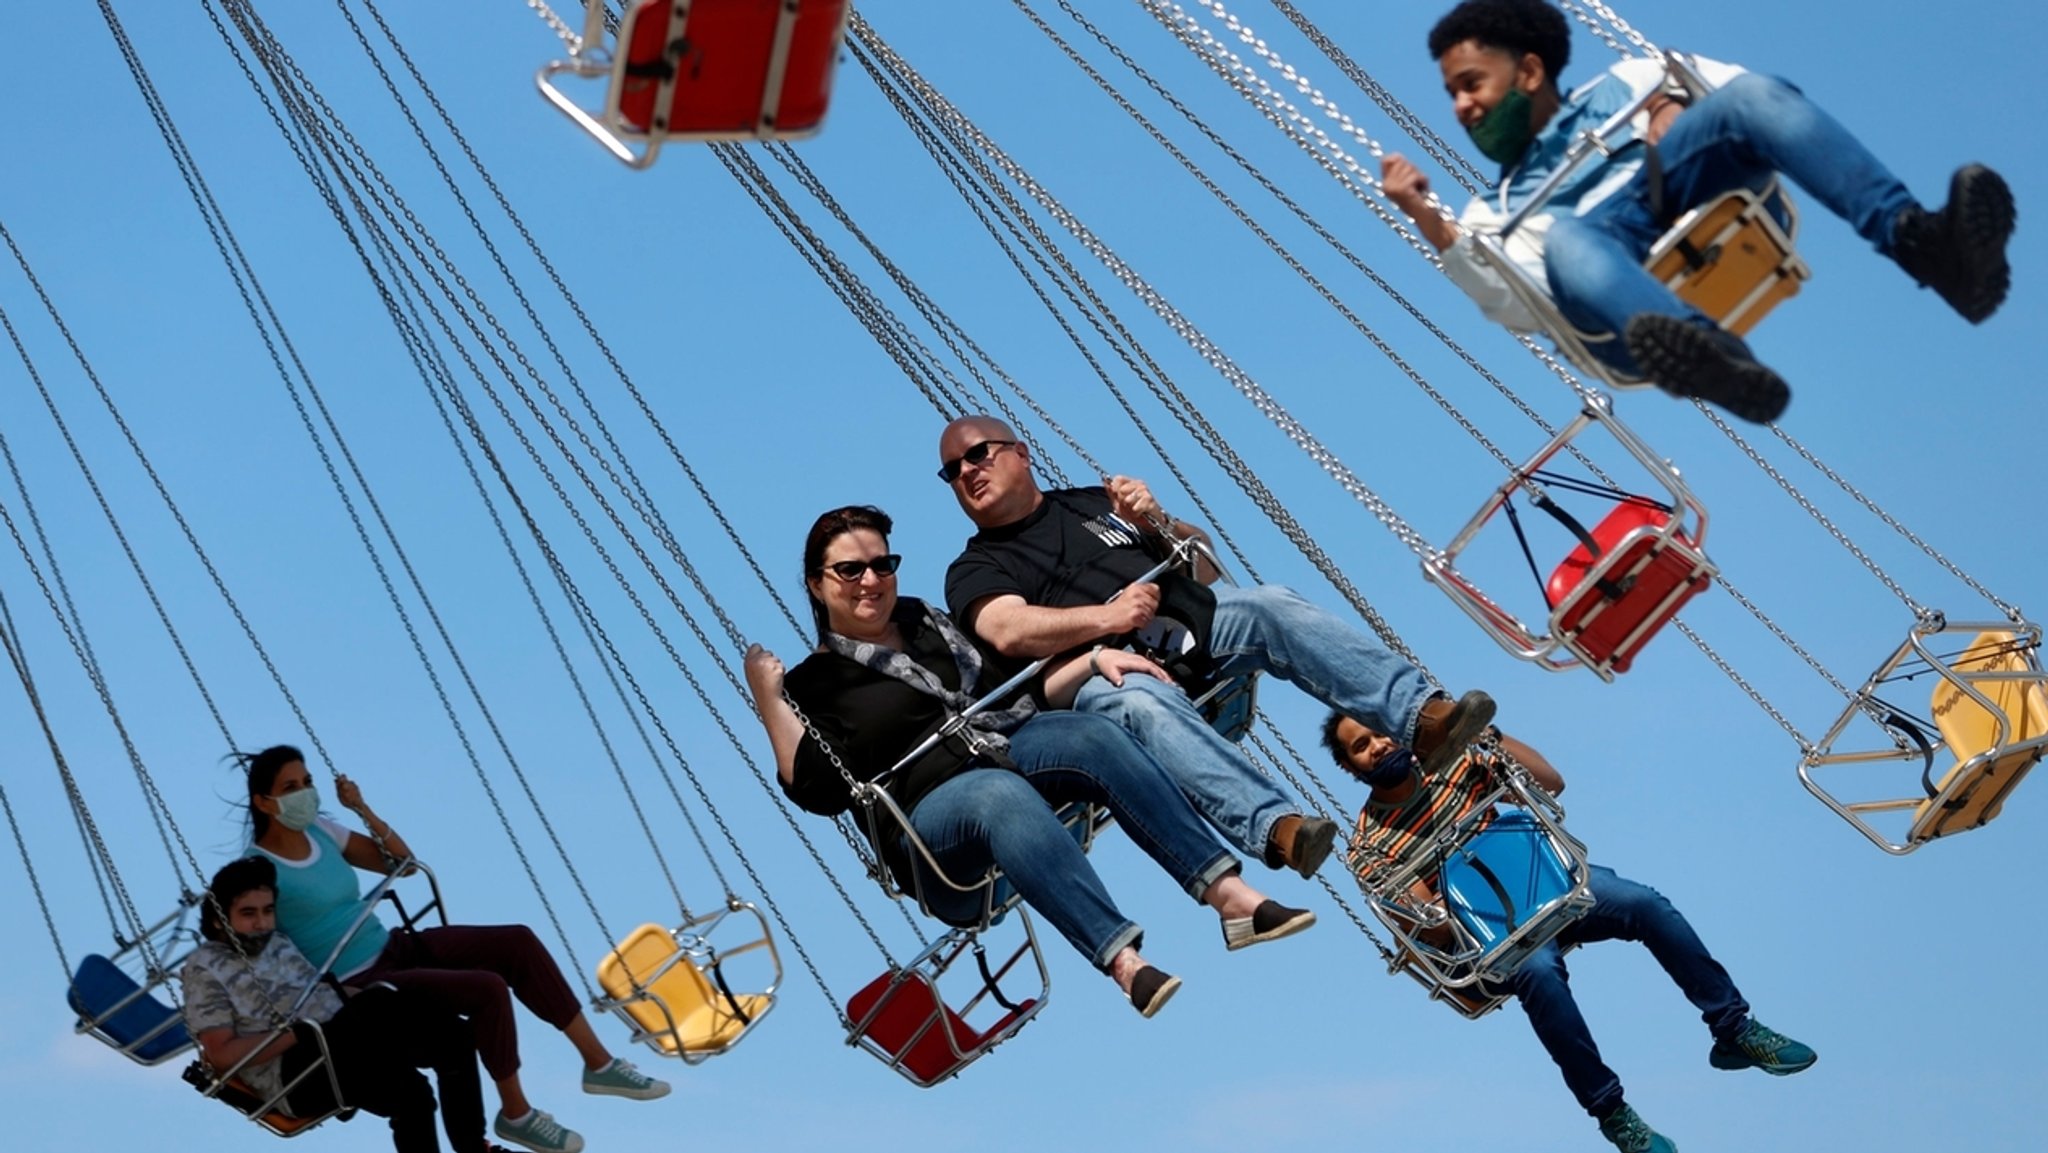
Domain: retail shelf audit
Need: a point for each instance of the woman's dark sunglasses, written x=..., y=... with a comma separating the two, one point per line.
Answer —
x=976, y=455
x=852, y=570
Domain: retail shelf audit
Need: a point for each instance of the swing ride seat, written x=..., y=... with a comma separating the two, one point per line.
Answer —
x=1608, y=605
x=706, y=70
x=903, y=1018
x=1230, y=706
x=1731, y=258
x=230, y=1089
x=1627, y=577
x=119, y=1010
x=1990, y=712
x=655, y=982
x=1994, y=749
x=1488, y=890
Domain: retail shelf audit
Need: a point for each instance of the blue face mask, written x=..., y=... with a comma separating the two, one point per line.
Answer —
x=297, y=811
x=1393, y=768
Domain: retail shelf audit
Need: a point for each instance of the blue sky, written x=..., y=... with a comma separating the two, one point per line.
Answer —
x=784, y=407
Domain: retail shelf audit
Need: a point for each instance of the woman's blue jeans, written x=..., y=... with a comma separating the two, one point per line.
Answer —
x=994, y=816
x=1268, y=629
x=1735, y=137
x=1628, y=911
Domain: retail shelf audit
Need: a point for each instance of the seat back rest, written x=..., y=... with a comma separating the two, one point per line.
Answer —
x=1971, y=732
x=1730, y=259
x=903, y=1017
x=1507, y=874
x=1655, y=578
x=120, y=1011
x=682, y=987
x=736, y=73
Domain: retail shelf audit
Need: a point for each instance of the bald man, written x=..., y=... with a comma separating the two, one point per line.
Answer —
x=1057, y=571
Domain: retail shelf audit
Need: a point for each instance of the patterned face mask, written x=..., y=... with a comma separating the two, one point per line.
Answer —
x=297, y=811
x=251, y=945
x=1504, y=133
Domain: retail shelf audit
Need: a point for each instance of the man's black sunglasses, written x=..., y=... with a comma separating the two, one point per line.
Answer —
x=852, y=570
x=976, y=455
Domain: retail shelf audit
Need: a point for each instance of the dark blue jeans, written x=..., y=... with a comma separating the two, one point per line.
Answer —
x=995, y=816
x=1628, y=911
x=1735, y=137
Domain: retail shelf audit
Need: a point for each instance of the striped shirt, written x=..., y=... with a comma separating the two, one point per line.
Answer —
x=1387, y=832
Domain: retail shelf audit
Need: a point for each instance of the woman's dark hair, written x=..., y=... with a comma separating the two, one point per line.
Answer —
x=824, y=531
x=1516, y=27
x=262, y=769
x=234, y=879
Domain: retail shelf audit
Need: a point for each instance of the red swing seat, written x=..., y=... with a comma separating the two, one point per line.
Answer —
x=903, y=1019
x=1607, y=604
x=741, y=69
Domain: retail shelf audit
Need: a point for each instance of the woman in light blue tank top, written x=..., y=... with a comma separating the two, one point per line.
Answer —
x=475, y=970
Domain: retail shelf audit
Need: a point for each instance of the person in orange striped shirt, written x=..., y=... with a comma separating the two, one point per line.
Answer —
x=1408, y=807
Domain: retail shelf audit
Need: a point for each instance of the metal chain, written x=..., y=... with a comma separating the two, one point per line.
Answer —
x=590, y=328
x=1241, y=473
x=1596, y=27
x=570, y=36
x=106, y=509
x=225, y=243
x=2011, y=611
x=1636, y=39
x=35, y=883
x=1812, y=510
x=1181, y=326
x=604, y=554
x=1440, y=150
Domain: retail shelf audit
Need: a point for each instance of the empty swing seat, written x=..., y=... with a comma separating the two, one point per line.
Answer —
x=1606, y=606
x=1730, y=258
x=901, y=1016
x=116, y=1008
x=676, y=1008
x=727, y=69
x=1987, y=768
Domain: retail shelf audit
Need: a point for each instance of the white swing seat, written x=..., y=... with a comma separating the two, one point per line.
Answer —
x=655, y=983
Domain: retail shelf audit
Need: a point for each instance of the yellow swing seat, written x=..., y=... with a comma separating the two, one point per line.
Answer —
x=1993, y=750
x=656, y=985
x=1731, y=259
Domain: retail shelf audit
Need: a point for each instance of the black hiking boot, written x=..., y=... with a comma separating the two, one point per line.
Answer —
x=1696, y=361
x=1959, y=252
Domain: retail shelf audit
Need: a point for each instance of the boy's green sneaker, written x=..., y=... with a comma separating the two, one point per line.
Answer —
x=1631, y=1134
x=1762, y=1047
x=540, y=1132
x=621, y=1079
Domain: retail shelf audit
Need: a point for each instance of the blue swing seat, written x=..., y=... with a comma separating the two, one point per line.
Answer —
x=114, y=1005
x=1504, y=877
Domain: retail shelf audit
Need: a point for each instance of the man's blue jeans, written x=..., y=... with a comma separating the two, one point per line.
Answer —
x=995, y=816
x=1270, y=629
x=1628, y=911
x=1735, y=137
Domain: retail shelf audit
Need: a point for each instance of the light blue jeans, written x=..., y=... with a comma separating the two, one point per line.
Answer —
x=1628, y=911
x=996, y=816
x=1735, y=137
x=1268, y=629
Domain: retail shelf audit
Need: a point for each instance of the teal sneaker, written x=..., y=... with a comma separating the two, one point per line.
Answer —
x=621, y=1079
x=540, y=1132
x=1631, y=1134
x=1764, y=1048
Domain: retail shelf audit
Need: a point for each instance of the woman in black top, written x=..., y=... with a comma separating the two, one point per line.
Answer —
x=889, y=672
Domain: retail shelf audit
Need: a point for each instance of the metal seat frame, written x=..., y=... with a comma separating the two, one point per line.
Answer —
x=1910, y=744
x=929, y=968
x=1760, y=209
x=1465, y=973
x=269, y=1113
x=591, y=61
x=694, y=946
x=171, y=941
x=1558, y=647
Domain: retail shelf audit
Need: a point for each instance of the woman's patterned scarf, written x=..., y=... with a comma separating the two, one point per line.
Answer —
x=988, y=726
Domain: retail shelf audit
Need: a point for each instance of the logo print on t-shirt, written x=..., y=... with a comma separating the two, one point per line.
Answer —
x=1112, y=530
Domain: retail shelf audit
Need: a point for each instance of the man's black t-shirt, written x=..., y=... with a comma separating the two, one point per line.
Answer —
x=1071, y=550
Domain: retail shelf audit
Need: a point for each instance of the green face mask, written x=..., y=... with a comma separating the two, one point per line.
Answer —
x=297, y=811
x=1503, y=134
